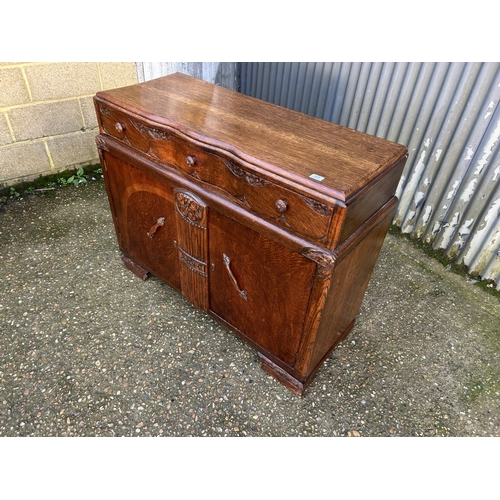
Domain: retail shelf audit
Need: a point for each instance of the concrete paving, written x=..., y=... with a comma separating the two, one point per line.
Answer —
x=88, y=349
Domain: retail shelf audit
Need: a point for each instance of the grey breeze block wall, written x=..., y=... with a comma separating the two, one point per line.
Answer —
x=47, y=117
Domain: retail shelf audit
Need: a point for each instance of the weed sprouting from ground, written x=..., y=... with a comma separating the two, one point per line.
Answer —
x=49, y=183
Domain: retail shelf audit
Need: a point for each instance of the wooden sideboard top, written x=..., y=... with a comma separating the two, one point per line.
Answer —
x=287, y=143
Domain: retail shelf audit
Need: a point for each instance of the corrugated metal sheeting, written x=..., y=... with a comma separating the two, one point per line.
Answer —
x=448, y=116
x=220, y=73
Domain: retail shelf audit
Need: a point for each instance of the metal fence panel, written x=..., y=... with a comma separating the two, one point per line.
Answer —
x=225, y=74
x=448, y=116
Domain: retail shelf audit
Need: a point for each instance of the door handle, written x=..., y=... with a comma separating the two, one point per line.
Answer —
x=154, y=228
x=227, y=263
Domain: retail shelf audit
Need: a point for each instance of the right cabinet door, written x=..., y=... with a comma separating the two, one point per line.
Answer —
x=257, y=286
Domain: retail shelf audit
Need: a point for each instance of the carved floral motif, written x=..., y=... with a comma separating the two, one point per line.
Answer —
x=252, y=179
x=189, y=209
x=155, y=133
x=318, y=207
x=235, y=169
x=101, y=143
x=324, y=260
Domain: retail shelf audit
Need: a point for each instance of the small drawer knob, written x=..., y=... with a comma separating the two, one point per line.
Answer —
x=191, y=160
x=120, y=127
x=281, y=206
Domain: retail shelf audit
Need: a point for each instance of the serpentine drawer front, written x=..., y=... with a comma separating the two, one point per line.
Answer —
x=267, y=219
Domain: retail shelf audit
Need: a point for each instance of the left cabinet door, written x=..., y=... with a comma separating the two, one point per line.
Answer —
x=144, y=218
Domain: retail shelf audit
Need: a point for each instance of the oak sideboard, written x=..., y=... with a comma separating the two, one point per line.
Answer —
x=268, y=219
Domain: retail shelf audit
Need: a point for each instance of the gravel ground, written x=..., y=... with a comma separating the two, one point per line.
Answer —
x=88, y=349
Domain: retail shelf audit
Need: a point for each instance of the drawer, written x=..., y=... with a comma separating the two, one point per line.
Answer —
x=301, y=214
x=129, y=131
x=167, y=147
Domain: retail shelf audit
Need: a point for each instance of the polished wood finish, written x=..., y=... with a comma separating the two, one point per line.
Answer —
x=268, y=219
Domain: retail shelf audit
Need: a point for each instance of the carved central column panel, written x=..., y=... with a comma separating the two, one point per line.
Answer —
x=191, y=220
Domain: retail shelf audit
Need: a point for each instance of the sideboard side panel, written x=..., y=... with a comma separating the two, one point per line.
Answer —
x=349, y=281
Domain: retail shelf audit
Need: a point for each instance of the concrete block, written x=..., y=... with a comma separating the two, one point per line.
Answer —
x=5, y=137
x=13, y=90
x=116, y=75
x=62, y=80
x=73, y=149
x=43, y=120
x=23, y=160
x=88, y=110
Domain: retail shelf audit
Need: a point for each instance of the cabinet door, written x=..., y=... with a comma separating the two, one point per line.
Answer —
x=144, y=217
x=258, y=287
